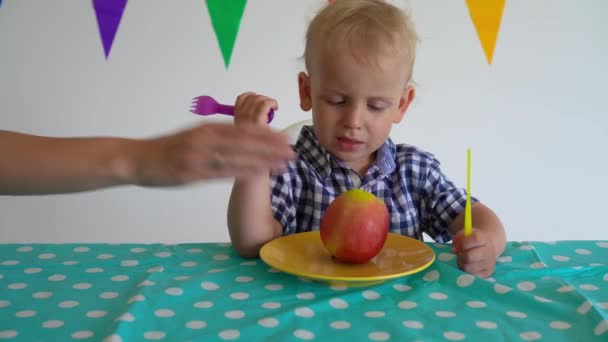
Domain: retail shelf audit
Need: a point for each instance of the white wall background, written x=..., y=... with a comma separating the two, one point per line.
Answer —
x=536, y=120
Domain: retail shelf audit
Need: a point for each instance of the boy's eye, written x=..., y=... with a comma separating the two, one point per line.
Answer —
x=335, y=100
x=376, y=107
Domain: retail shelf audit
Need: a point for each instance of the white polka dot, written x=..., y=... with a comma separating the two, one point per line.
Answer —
x=203, y=305
x=406, y=304
x=338, y=303
x=374, y=314
x=465, y=280
x=340, y=325
x=194, y=250
x=96, y=313
x=560, y=325
x=196, y=324
x=551, y=242
x=182, y=278
x=441, y=245
x=154, y=335
x=155, y=269
x=337, y=287
x=32, y=270
x=271, y=305
x=273, y=287
x=401, y=287
x=268, y=322
x=119, y=278
x=594, y=264
x=431, y=275
x=490, y=279
x=379, y=336
x=94, y=270
x=530, y=336
x=52, y=324
x=163, y=254
x=588, y=287
x=582, y=251
x=304, y=334
x=445, y=257
x=10, y=263
x=6, y=334
x=601, y=328
x=561, y=258
x=57, y=277
x=108, y=295
x=42, y=295
x=164, y=313
x=566, y=288
x=136, y=298
x=603, y=305
x=230, y=334
x=25, y=313
x=505, y=259
x=240, y=295
x=24, y=249
x=46, y=256
x=188, y=264
x=82, y=286
x=605, y=277
x=215, y=270
x=129, y=263
x=146, y=283
x=486, y=325
x=68, y=304
x=220, y=257
x=453, y=336
x=543, y=299
x=273, y=270
x=438, y=296
x=526, y=247
x=17, y=286
x=209, y=286
x=526, y=286
x=516, y=314
x=70, y=262
x=113, y=338
x=501, y=289
x=306, y=295
x=105, y=256
x=602, y=244
x=584, y=308
x=538, y=264
x=4, y=303
x=81, y=335
x=304, y=312
x=413, y=324
x=370, y=295
x=126, y=317
x=81, y=249
x=445, y=314
x=475, y=304
x=249, y=263
x=234, y=314
x=243, y=279
x=174, y=291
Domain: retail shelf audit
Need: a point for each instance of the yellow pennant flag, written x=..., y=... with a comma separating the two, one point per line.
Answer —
x=486, y=16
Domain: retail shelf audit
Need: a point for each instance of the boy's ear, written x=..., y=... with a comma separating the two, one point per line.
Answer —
x=304, y=89
x=404, y=102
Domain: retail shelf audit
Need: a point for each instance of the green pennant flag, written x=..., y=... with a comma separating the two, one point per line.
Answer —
x=226, y=18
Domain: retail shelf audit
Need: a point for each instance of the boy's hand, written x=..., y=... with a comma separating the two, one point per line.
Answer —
x=476, y=254
x=251, y=108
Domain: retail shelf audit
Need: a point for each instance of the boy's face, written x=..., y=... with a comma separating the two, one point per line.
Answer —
x=355, y=102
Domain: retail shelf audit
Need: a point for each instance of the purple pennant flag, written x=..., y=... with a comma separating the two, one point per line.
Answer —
x=109, y=13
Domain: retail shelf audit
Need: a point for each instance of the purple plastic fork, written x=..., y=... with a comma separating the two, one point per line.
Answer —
x=207, y=105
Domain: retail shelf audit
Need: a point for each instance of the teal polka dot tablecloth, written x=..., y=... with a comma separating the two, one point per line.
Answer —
x=204, y=292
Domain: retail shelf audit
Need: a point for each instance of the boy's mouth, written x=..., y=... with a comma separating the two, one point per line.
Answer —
x=348, y=144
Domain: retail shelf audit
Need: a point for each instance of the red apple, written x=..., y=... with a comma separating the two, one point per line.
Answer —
x=355, y=226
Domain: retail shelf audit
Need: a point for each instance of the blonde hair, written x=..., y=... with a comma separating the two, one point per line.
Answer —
x=371, y=25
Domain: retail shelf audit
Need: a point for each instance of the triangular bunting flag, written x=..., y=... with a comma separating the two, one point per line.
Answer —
x=226, y=19
x=486, y=16
x=109, y=14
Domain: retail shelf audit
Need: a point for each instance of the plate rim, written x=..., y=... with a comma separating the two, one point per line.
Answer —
x=347, y=278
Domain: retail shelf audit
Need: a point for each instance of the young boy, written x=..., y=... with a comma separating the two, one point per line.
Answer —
x=359, y=57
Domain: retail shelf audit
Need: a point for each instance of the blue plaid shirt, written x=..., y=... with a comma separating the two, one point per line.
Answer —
x=419, y=197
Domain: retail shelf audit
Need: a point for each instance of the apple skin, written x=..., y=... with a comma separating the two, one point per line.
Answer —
x=354, y=227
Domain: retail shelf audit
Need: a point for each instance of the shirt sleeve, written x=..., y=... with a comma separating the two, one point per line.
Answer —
x=443, y=201
x=281, y=202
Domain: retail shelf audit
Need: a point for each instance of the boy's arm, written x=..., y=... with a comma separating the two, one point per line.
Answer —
x=250, y=219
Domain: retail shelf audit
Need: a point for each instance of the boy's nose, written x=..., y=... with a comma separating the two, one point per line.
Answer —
x=353, y=117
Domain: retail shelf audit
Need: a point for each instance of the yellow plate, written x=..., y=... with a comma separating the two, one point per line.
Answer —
x=304, y=255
